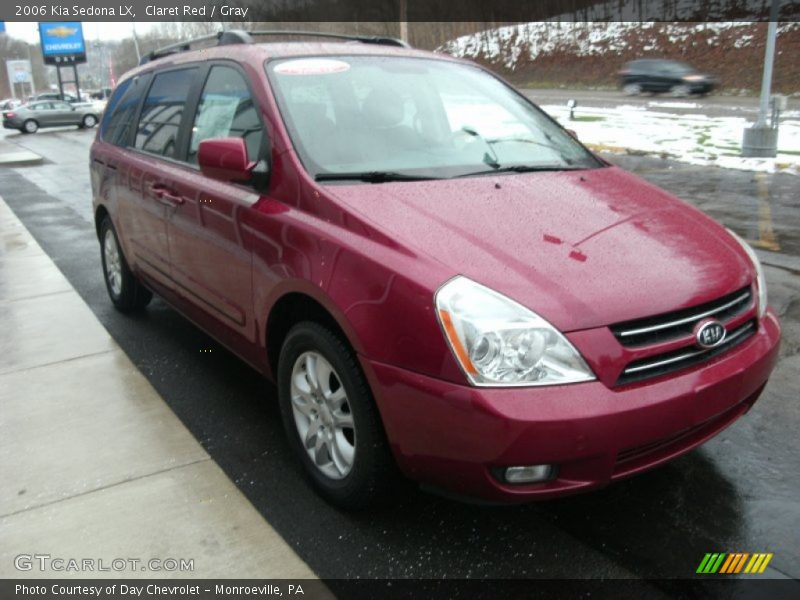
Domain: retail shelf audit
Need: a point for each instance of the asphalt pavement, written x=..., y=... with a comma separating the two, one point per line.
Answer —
x=739, y=492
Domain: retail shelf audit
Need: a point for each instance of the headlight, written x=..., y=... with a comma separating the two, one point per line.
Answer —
x=761, y=282
x=498, y=342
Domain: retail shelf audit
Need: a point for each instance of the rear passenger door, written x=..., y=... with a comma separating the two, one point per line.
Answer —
x=147, y=188
x=211, y=260
x=44, y=113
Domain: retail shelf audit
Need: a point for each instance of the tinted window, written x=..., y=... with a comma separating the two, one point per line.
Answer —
x=163, y=111
x=121, y=110
x=226, y=109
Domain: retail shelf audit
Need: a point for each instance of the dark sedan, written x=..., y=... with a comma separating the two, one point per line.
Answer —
x=658, y=75
x=51, y=113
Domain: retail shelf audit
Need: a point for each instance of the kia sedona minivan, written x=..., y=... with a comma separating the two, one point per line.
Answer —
x=444, y=284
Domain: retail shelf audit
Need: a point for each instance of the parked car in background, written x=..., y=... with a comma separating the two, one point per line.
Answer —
x=29, y=118
x=57, y=96
x=101, y=94
x=660, y=76
x=9, y=103
x=440, y=279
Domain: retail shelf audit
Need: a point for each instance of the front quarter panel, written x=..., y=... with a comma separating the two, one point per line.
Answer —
x=380, y=294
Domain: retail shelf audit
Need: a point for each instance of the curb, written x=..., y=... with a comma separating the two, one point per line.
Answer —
x=13, y=154
x=23, y=157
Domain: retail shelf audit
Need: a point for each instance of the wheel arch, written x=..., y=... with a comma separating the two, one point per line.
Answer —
x=291, y=308
x=100, y=213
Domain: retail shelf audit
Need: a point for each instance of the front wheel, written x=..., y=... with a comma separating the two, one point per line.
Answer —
x=680, y=91
x=89, y=121
x=632, y=89
x=125, y=291
x=331, y=419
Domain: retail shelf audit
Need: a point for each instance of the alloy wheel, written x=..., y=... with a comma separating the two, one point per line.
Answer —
x=322, y=415
x=113, y=263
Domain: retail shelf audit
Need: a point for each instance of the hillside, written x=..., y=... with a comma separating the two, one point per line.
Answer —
x=589, y=54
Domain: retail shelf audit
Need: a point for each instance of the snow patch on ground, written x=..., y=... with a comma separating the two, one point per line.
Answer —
x=692, y=138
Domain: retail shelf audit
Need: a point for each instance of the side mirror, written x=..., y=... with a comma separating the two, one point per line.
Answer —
x=225, y=159
x=572, y=133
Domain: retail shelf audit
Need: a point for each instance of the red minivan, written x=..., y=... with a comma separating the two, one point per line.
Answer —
x=442, y=282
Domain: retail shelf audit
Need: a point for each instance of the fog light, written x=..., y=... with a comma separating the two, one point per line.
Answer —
x=529, y=474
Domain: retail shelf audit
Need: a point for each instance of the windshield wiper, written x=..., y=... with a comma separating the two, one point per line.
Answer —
x=372, y=176
x=522, y=169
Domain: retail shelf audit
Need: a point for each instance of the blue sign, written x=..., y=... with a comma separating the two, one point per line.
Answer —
x=2, y=26
x=62, y=42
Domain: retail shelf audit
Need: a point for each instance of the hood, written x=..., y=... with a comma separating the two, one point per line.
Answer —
x=581, y=248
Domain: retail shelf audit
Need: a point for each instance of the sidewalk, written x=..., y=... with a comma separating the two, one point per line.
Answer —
x=93, y=463
x=13, y=155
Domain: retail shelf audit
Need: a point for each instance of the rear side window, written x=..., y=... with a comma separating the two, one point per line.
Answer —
x=163, y=112
x=226, y=109
x=121, y=110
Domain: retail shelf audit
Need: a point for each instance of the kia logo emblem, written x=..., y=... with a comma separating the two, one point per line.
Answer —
x=710, y=333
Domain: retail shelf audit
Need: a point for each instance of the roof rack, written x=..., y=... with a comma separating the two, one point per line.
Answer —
x=238, y=36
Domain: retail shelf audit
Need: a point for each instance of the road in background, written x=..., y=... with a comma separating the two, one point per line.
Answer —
x=737, y=493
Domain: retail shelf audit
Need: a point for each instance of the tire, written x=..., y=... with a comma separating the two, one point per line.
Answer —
x=680, y=91
x=88, y=121
x=371, y=471
x=125, y=291
x=30, y=126
x=632, y=89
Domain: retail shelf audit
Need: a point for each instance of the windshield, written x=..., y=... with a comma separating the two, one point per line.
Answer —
x=408, y=118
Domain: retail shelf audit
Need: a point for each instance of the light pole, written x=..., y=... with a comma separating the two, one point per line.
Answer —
x=136, y=44
x=761, y=140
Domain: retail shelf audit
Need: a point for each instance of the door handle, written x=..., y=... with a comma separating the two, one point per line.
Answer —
x=166, y=196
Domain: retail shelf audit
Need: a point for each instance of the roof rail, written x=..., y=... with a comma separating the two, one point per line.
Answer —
x=238, y=36
x=364, y=39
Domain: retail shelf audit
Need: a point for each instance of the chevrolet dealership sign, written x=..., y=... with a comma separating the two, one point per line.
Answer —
x=62, y=43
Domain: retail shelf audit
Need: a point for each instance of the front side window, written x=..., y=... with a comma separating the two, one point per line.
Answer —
x=162, y=112
x=226, y=109
x=417, y=117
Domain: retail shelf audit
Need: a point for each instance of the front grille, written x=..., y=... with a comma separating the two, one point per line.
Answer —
x=674, y=325
x=678, y=326
x=682, y=358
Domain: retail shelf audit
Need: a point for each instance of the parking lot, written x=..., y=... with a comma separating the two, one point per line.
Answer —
x=739, y=492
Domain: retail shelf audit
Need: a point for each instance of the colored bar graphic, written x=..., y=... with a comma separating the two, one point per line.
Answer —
x=728, y=562
x=703, y=563
x=731, y=563
x=740, y=564
x=764, y=564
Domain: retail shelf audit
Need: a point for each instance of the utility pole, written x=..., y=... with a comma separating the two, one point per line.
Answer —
x=761, y=140
x=136, y=44
x=404, y=20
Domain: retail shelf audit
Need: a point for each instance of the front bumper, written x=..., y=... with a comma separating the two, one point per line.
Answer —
x=453, y=436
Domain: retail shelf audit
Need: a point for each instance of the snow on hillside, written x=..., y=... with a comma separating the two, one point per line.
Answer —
x=508, y=45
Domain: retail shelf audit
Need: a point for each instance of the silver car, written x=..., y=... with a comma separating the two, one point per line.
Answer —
x=50, y=113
